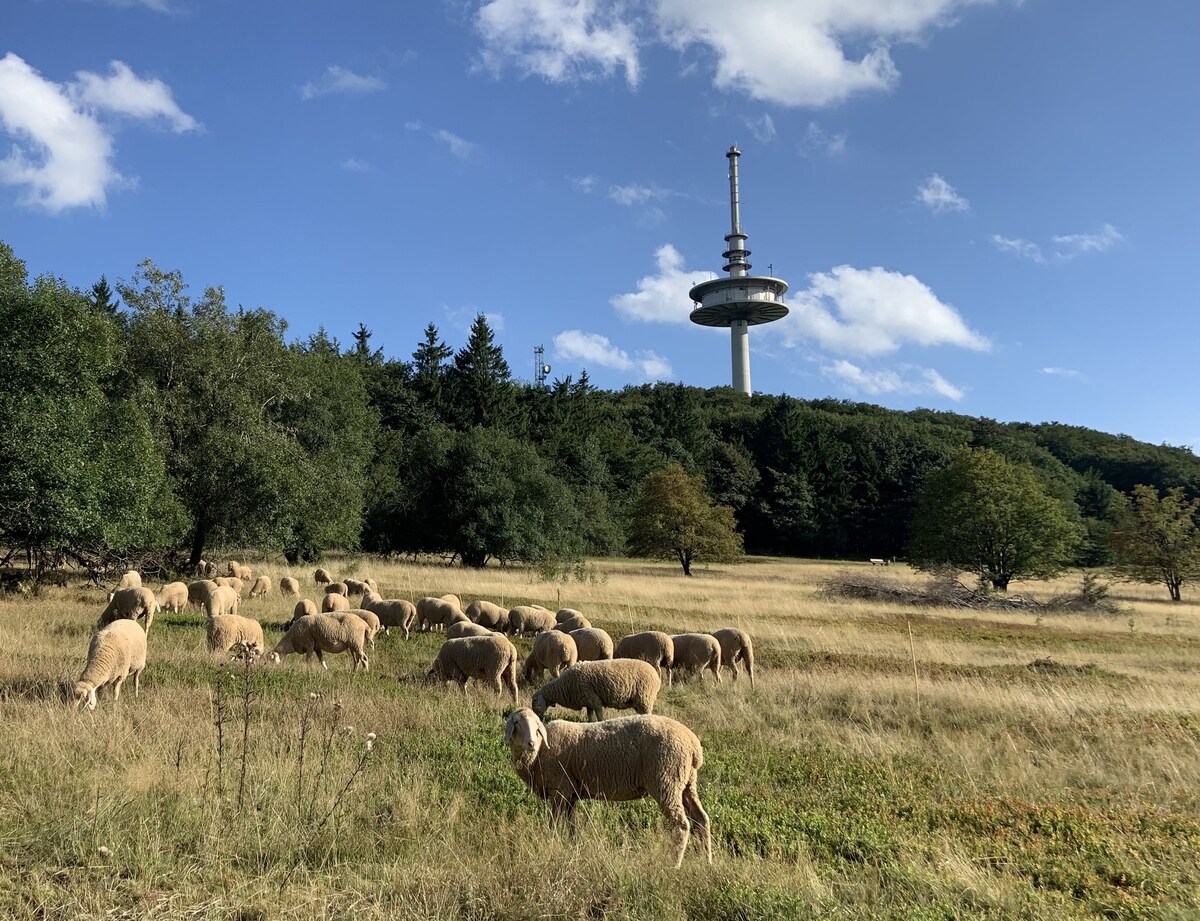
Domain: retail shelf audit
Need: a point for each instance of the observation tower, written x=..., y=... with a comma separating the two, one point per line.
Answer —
x=742, y=300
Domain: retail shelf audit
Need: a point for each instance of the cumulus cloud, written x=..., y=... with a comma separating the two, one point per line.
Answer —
x=662, y=298
x=596, y=350
x=873, y=311
x=819, y=142
x=939, y=196
x=559, y=40
x=460, y=148
x=1023, y=248
x=1076, y=244
x=907, y=380
x=786, y=52
x=62, y=155
x=339, y=80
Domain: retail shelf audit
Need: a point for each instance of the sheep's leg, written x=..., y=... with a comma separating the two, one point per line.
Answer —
x=695, y=812
x=117, y=689
x=678, y=826
x=750, y=670
x=321, y=659
x=137, y=682
x=668, y=668
x=715, y=668
x=733, y=668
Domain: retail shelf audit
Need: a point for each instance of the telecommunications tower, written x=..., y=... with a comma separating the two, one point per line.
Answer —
x=742, y=300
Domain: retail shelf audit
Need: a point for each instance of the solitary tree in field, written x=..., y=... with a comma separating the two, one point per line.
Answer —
x=672, y=517
x=986, y=514
x=1158, y=539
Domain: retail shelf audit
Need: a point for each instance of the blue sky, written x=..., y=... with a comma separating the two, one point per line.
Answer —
x=988, y=207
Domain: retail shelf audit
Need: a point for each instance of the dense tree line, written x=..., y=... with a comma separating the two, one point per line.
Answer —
x=145, y=422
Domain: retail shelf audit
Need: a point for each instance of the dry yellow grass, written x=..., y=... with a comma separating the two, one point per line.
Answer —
x=891, y=762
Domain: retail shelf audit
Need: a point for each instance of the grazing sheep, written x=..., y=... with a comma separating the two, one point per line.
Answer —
x=130, y=604
x=303, y=606
x=371, y=598
x=356, y=587
x=116, y=651
x=492, y=659
x=435, y=612
x=261, y=587
x=339, y=588
x=131, y=579
x=466, y=628
x=736, y=646
x=321, y=577
x=487, y=614
x=232, y=582
x=573, y=623
x=221, y=600
x=393, y=612
x=199, y=591
x=652, y=646
x=334, y=602
x=566, y=614
x=371, y=620
x=453, y=599
x=592, y=686
x=172, y=597
x=593, y=644
x=456, y=617
x=698, y=651
x=201, y=569
x=551, y=650
x=622, y=759
x=210, y=570
x=322, y=633
x=529, y=618
x=372, y=585
x=225, y=631
x=289, y=586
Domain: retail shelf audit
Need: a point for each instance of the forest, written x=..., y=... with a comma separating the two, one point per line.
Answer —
x=143, y=425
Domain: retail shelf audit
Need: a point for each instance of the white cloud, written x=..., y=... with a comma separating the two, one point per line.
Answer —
x=635, y=194
x=340, y=80
x=1022, y=248
x=584, y=184
x=354, y=165
x=62, y=155
x=559, y=40
x=595, y=349
x=662, y=298
x=872, y=312
x=763, y=128
x=460, y=148
x=1063, y=372
x=886, y=380
x=1076, y=244
x=819, y=142
x=159, y=6
x=939, y=196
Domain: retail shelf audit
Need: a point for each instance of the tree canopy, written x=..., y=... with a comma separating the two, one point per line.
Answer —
x=1158, y=538
x=672, y=517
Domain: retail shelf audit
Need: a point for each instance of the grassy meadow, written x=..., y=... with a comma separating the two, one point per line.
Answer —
x=890, y=763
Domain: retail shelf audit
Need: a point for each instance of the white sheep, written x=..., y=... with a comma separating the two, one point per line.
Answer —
x=356, y=587
x=289, y=586
x=321, y=577
x=232, y=582
x=131, y=579
x=592, y=686
x=566, y=614
x=115, y=652
x=303, y=606
x=488, y=614
x=261, y=587
x=334, y=602
x=221, y=600
x=492, y=659
x=338, y=587
x=321, y=633
x=371, y=620
x=435, y=612
x=238, y=571
x=530, y=618
x=129, y=603
x=651, y=646
x=573, y=623
x=224, y=631
x=393, y=612
x=736, y=646
x=371, y=598
x=622, y=759
x=697, y=652
x=199, y=591
x=172, y=597
x=593, y=644
x=452, y=599
x=466, y=628
x=551, y=650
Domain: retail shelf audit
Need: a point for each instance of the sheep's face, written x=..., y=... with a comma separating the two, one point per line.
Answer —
x=275, y=658
x=539, y=705
x=84, y=696
x=525, y=734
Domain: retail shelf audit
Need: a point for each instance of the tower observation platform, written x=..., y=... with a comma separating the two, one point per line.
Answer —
x=742, y=300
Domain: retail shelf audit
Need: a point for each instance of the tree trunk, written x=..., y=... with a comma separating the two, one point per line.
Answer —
x=685, y=560
x=1173, y=586
x=1000, y=582
x=198, y=538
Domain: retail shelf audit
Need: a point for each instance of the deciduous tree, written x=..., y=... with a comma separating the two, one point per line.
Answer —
x=1158, y=539
x=672, y=517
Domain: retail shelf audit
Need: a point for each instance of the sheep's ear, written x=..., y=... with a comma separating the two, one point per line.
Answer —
x=541, y=728
x=509, y=726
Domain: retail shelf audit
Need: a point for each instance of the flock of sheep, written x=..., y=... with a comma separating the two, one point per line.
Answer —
x=611, y=759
